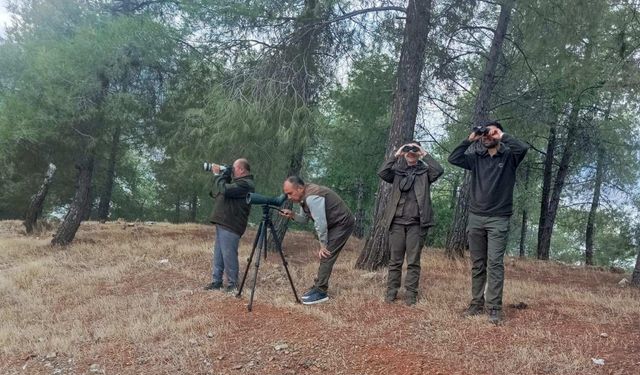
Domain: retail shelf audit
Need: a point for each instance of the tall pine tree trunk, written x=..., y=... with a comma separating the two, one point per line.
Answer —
x=548, y=217
x=525, y=215
x=595, y=202
x=176, y=210
x=597, y=187
x=358, y=231
x=547, y=179
x=193, y=208
x=635, y=277
x=375, y=253
x=457, y=234
x=80, y=204
x=456, y=239
x=105, y=197
x=37, y=200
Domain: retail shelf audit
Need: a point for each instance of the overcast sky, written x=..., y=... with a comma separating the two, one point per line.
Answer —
x=5, y=18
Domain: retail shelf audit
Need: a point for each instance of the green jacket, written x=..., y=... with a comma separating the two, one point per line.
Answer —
x=231, y=209
x=391, y=172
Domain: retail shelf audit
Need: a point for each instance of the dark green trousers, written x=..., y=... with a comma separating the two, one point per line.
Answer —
x=337, y=237
x=405, y=241
x=488, y=237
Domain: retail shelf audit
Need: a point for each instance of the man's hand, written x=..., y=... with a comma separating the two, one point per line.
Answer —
x=495, y=133
x=324, y=253
x=422, y=152
x=400, y=153
x=474, y=137
x=215, y=168
x=287, y=213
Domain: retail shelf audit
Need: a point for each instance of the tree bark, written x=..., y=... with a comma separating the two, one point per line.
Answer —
x=548, y=217
x=597, y=188
x=358, y=231
x=105, y=197
x=37, y=200
x=595, y=202
x=635, y=277
x=547, y=179
x=80, y=204
x=525, y=215
x=176, y=211
x=457, y=234
x=193, y=208
x=456, y=238
x=375, y=252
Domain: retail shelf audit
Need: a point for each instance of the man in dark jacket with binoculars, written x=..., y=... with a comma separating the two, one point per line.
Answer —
x=492, y=164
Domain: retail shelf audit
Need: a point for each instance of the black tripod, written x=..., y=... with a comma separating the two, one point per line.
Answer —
x=261, y=244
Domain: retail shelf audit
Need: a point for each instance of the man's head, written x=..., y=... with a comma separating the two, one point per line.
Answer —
x=294, y=187
x=241, y=168
x=489, y=139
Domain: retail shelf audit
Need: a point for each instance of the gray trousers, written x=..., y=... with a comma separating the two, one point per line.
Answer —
x=338, y=237
x=405, y=241
x=225, y=256
x=488, y=237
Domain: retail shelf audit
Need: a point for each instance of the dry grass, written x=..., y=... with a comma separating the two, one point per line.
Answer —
x=106, y=300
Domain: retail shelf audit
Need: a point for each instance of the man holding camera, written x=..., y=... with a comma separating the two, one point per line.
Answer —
x=230, y=215
x=408, y=215
x=333, y=222
x=492, y=165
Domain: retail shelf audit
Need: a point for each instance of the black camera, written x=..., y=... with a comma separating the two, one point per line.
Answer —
x=481, y=130
x=209, y=166
x=255, y=198
x=410, y=148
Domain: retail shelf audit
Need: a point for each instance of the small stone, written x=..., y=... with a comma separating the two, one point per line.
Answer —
x=237, y=367
x=605, y=335
x=210, y=334
x=220, y=358
x=598, y=361
x=281, y=347
x=193, y=342
x=623, y=283
x=94, y=368
x=51, y=355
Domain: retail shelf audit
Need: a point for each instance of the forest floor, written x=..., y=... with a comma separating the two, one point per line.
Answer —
x=128, y=299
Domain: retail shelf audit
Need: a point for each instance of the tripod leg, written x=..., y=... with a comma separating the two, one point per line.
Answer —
x=276, y=240
x=262, y=246
x=253, y=250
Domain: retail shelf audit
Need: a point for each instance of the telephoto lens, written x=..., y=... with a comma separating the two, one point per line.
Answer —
x=208, y=167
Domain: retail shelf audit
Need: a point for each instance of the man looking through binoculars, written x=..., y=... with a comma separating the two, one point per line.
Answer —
x=230, y=215
x=408, y=214
x=492, y=165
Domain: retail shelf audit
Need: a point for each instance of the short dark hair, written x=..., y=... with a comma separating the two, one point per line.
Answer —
x=416, y=142
x=494, y=123
x=295, y=180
